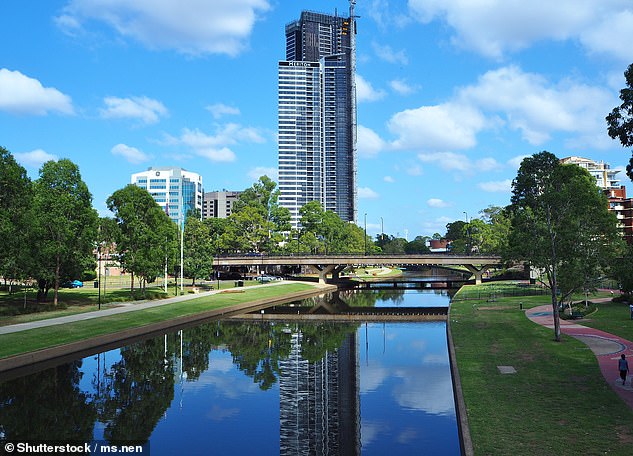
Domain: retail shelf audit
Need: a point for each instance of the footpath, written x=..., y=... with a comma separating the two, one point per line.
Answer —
x=607, y=348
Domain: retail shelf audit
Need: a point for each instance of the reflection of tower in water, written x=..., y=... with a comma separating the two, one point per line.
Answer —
x=319, y=401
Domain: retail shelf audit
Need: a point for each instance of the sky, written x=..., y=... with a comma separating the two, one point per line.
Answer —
x=452, y=94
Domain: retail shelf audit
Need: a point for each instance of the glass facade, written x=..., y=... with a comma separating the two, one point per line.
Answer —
x=176, y=190
x=316, y=123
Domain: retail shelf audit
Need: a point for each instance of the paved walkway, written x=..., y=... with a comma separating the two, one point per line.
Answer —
x=607, y=348
x=120, y=308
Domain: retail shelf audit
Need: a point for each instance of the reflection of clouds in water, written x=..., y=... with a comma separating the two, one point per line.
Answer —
x=370, y=431
x=372, y=377
x=407, y=435
x=426, y=388
x=419, y=344
x=218, y=413
x=224, y=377
x=436, y=358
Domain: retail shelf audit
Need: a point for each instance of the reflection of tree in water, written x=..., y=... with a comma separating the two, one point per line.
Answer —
x=136, y=392
x=256, y=348
x=320, y=338
x=47, y=404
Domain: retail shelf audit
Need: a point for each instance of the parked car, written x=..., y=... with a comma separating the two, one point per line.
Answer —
x=266, y=278
x=76, y=284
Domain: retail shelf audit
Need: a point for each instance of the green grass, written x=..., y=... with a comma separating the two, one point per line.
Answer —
x=35, y=339
x=613, y=318
x=557, y=403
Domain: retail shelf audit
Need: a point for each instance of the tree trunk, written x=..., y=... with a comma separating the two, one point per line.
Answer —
x=132, y=282
x=57, y=268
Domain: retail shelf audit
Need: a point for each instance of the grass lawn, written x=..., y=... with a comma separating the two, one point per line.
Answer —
x=35, y=339
x=557, y=403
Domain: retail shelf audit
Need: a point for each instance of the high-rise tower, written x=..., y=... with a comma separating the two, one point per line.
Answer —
x=317, y=115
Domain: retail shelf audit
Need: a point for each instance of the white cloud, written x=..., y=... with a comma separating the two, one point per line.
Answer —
x=503, y=186
x=144, y=109
x=220, y=109
x=260, y=171
x=369, y=144
x=131, y=154
x=442, y=127
x=515, y=162
x=216, y=147
x=35, y=158
x=414, y=170
x=20, y=94
x=367, y=193
x=366, y=92
x=402, y=87
x=450, y=161
x=192, y=27
x=496, y=27
x=386, y=53
x=529, y=103
x=436, y=202
x=389, y=179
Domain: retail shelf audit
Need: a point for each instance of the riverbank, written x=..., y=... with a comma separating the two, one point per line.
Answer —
x=84, y=334
x=526, y=394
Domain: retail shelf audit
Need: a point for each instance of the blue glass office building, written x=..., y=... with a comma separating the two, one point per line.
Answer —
x=317, y=115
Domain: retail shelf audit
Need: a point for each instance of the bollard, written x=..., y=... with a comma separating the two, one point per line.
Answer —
x=521, y=305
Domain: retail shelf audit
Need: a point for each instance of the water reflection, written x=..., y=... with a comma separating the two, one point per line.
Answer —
x=268, y=387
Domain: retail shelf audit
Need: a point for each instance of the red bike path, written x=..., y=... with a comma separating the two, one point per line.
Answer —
x=607, y=348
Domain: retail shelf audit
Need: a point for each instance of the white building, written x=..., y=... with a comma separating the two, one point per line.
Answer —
x=176, y=190
x=605, y=176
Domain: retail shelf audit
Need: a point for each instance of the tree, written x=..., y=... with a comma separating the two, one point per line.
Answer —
x=495, y=231
x=198, y=249
x=456, y=234
x=147, y=236
x=418, y=245
x=273, y=219
x=623, y=270
x=560, y=220
x=620, y=120
x=64, y=225
x=15, y=201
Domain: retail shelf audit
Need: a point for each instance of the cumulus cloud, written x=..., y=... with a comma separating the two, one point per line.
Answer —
x=389, y=179
x=20, y=94
x=532, y=105
x=366, y=92
x=191, y=27
x=131, y=154
x=496, y=27
x=220, y=109
x=35, y=158
x=369, y=144
x=441, y=127
x=215, y=147
x=450, y=161
x=386, y=53
x=260, y=171
x=144, y=109
x=503, y=186
x=402, y=87
x=437, y=203
x=367, y=193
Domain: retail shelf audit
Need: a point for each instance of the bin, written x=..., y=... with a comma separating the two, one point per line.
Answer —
x=240, y=283
x=631, y=310
x=96, y=284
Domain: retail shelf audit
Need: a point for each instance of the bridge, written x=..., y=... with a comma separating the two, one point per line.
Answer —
x=335, y=264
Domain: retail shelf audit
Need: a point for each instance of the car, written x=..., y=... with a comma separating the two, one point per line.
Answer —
x=76, y=284
x=266, y=279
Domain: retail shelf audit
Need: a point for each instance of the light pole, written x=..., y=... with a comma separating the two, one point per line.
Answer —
x=365, y=233
x=467, y=234
x=382, y=231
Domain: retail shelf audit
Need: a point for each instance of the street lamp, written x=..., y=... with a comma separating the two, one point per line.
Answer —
x=467, y=234
x=365, y=233
x=382, y=231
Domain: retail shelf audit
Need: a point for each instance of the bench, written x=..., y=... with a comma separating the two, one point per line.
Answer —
x=576, y=315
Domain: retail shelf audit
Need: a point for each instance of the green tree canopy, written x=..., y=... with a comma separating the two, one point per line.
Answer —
x=64, y=225
x=15, y=202
x=620, y=120
x=560, y=223
x=147, y=236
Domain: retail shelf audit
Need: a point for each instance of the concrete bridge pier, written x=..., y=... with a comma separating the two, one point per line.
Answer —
x=477, y=271
x=334, y=269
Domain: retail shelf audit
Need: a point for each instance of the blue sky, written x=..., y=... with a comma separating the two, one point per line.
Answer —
x=452, y=93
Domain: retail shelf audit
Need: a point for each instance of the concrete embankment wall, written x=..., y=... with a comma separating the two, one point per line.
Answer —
x=18, y=365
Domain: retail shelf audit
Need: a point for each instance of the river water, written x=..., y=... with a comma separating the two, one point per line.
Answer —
x=245, y=388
